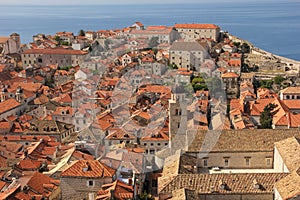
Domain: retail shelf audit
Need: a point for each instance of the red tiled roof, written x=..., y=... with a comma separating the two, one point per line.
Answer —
x=294, y=120
x=79, y=155
x=54, y=51
x=196, y=26
x=120, y=134
x=37, y=182
x=89, y=169
x=230, y=75
x=8, y=105
x=121, y=190
x=29, y=164
x=292, y=104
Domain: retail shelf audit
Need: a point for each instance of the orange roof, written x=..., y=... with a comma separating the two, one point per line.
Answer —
x=66, y=110
x=58, y=51
x=3, y=39
x=89, y=169
x=120, y=134
x=8, y=105
x=264, y=93
x=294, y=120
x=291, y=90
x=196, y=26
x=235, y=63
x=38, y=181
x=236, y=104
x=82, y=156
x=29, y=164
x=230, y=75
x=200, y=92
x=151, y=28
x=139, y=23
x=121, y=190
x=292, y=104
x=156, y=136
x=5, y=125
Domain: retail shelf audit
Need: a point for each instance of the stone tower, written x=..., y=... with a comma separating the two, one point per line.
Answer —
x=16, y=38
x=19, y=95
x=178, y=112
x=3, y=94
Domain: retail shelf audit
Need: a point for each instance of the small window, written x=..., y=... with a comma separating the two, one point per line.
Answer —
x=247, y=161
x=90, y=183
x=226, y=162
x=166, y=144
x=205, y=162
x=145, y=144
x=268, y=161
x=158, y=144
x=151, y=144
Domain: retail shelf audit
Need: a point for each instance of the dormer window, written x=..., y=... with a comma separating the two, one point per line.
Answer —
x=256, y=184
x=222, y=185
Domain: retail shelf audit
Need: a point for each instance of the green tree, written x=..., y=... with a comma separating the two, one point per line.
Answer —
x=237, y=44
x=266, y=84
x=145, y=196
x=278, y=80
x=57, y=38
x=173, y=66
x=245, y=48
x=266, y=117
x=81, y=33
x=199, y=83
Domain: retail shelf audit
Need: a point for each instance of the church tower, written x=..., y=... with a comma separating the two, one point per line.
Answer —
x=3, y=94
x=19, y=95
x=178, y=112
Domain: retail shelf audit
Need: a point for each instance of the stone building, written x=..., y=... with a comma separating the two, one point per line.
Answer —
x=193, y=32
x=164, y=34
x=238, y=149
x=179, y=173
x=290, y=93
x=59, y=130
x=11, y=44
x=187, y=55
x=231, y=80
x=45, y=57
x=84, y=178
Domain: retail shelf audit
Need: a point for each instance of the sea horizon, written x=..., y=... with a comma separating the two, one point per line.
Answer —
x=272, y=27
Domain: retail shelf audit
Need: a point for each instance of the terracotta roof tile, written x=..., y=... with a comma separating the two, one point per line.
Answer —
x=8, y=105
x=54, y=51
x=289, y=151
x=37, y=181
x=244, y=140
x=289, y=186
x=121, y=190
x=291, y=90
x=89, y=169
x=230, y=75
x=236, y=183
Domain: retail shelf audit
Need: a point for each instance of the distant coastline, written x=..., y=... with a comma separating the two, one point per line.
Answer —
x=260, y=23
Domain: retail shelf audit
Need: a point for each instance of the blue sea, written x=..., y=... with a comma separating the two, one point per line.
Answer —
x=271, y=26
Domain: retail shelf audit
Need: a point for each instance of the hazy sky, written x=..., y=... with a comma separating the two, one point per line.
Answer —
x=72, y=2
x=76, y=2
